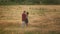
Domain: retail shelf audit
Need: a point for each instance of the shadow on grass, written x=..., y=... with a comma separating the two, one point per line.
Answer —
x=32, y=32
x=53, y=32
x=2, y=31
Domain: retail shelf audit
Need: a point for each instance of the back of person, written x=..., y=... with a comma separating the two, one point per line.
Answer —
x=23, y=19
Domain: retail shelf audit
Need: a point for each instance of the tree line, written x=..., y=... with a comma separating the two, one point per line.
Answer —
x=31, y=2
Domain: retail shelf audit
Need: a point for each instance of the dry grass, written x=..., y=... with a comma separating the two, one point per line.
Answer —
x=43, y=19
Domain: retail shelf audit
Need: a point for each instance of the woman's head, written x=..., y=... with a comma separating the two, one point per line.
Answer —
x=27, y=13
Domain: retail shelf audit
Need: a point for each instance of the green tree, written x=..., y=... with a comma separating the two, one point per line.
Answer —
x=51, y=1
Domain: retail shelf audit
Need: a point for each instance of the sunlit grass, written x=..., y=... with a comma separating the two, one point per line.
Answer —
x=42, y=20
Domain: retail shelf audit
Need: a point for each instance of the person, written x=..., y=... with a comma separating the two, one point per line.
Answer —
x=23, y=18
x=26, y=21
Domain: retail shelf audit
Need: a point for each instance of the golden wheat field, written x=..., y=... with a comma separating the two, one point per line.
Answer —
x=43, y=19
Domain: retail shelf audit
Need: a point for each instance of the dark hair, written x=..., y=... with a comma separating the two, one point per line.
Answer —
x=27, y=13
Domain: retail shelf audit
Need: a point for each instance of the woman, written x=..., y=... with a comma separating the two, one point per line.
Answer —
x=26, y=21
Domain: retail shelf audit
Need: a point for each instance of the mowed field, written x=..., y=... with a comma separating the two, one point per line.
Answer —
x=43, y=19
